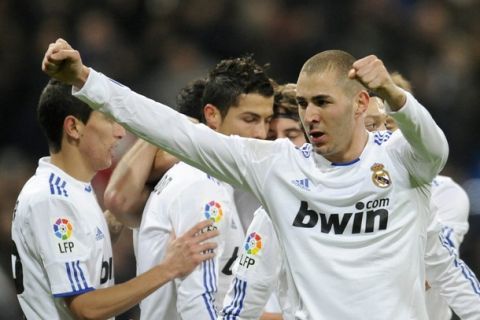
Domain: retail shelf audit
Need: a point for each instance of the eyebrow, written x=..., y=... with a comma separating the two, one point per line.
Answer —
x=320, y=97
x=251, y=113
x=317, y=97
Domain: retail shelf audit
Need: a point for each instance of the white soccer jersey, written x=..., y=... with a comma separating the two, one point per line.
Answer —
x=182, y=198
x=353, y=234
x=446, y=273
x=62, y=243
x=258, y=274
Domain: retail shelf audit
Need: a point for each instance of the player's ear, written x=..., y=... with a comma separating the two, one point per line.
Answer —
x=360, y=104
x=72, y=127
x=213, y=117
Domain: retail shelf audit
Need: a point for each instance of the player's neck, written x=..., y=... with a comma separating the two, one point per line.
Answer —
x=353, y=150
x=73, y=164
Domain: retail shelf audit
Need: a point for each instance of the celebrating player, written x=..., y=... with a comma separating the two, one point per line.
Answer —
x=348, y=211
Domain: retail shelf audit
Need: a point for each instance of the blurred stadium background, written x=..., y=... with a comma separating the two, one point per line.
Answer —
x=157, y=46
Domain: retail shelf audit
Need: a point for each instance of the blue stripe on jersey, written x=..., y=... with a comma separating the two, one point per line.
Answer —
x=380, y=137
x=467, y=273
x=208, y=299
x=75, y=274
x=342, y=164
x=73, y=293
x=69, y=273
x=232, y=311
x=72, y=267
x=210, y=285
x=59, y=184
x=81, y=274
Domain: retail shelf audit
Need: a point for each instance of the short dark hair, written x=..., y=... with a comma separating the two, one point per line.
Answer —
x=189, y=99
x=233, y=77
x=55, y=104
x=285, y=102
x=337, y=61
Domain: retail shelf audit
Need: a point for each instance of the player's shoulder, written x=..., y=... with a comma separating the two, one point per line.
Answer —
x=439, y=181
x=50, y=185
x=183, y=178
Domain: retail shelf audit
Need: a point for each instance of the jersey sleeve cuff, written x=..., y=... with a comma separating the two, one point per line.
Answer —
x=73, y=293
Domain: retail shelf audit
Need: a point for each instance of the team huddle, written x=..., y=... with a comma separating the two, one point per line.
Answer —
x=315, y=200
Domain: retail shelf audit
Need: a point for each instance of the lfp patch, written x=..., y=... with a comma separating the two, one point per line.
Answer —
x=253, y=244
x=62, y=228
x=213, y=211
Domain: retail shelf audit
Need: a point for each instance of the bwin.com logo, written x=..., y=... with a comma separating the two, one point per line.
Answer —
x=302, y=184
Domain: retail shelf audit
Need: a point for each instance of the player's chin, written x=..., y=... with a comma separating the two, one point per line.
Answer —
x=105, y=164
x=321, y=149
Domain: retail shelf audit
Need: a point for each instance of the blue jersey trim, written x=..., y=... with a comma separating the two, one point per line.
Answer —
x=467, y=273
x=210, y=285
x=343, y=164
x=73, y=293
x=75, y=273
x=232, y=311
x=57, y=186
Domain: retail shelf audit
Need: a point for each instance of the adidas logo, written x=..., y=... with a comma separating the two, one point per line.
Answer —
x=99, y=234
x=302, y=184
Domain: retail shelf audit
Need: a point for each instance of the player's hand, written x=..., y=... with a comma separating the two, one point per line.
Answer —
x=63, y=63
x=189, y=250
x=374, y=75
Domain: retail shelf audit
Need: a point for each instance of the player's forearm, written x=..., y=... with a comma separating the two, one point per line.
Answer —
x=271, y=316
x=456, y=282
x=428, y=142
x=115, y=227
x=126, y=192
x=108, y=302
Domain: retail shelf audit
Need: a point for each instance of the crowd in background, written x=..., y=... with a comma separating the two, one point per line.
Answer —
x=158, y=46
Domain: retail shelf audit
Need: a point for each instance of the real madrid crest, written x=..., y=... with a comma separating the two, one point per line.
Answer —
x=380, y=176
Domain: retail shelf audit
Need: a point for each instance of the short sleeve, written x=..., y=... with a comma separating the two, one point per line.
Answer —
x=64, y=245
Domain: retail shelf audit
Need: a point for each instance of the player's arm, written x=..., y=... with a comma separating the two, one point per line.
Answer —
x=226, y=158
x=271, y=316
x=256, y=271
x=452, y=206
x=127, y=190
x=458, y=285
x=427, y=148
x=183, y=255
x=115, y=227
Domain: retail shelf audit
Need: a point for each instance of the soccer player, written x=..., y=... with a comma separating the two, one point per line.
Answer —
x=237, y=99
x=62, y=254
x=348, y=210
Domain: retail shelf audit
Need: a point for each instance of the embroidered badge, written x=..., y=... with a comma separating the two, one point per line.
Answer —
x=380, y=176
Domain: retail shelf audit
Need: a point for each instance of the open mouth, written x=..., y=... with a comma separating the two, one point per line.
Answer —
x=316, y=136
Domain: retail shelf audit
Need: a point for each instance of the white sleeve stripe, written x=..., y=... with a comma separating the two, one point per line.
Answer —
x=467, y=273
x=209, y=283
x=232, y=311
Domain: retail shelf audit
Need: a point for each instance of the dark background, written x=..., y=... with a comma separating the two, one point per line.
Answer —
x=157, y=46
